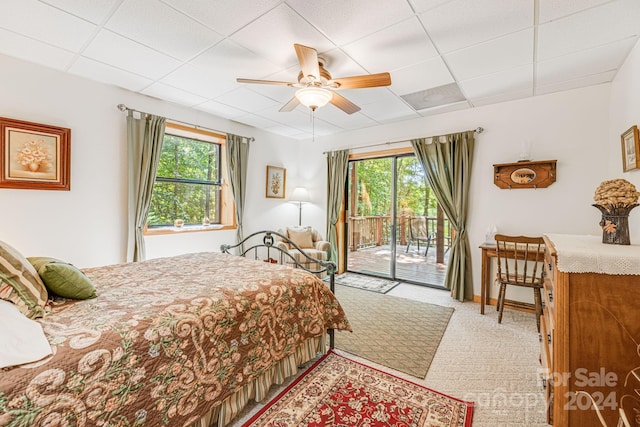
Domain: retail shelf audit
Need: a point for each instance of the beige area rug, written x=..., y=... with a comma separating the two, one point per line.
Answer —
x=395, y=332
x=368, y=283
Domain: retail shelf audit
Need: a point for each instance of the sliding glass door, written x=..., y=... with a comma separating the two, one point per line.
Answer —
x=394, y=227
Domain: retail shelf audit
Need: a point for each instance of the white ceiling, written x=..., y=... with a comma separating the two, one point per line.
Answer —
x=191, y=51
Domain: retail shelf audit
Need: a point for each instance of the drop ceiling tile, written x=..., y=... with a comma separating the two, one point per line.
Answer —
x=281, y=94
x=288, y=132
x=344, y=21
x=276, y=32
x=162, y=28
x=503, y=97
x=297, y=118
x=110, y=48
x=228, y=60
x=423, y=5
x=220, y=110
x=92, y=10
x=107, y=74
x=421, y=76
x=590, y=28
x=513, y=80
x=39, y=21
x=163, y=91
x=339, y=118
x=576, y=83
x=592, y=61
x=445, y=109
x=392, y=109
x=247, y=100
x=25, y=48
x=554, y=9
x=368, y=95
x=198, y=80
x=492, y=56
x=463, y=23
x=255, y=121
x=397, y=46
x=235, y=14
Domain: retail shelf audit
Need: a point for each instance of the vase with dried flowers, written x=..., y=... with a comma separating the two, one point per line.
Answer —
x=615, y=199
x=34, y=156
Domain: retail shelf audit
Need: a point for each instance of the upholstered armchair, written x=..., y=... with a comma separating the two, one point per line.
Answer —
x=310, y=241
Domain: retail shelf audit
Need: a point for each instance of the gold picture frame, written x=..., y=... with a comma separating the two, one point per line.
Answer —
x=34, y=156
x=276, y=182
x=630, y=149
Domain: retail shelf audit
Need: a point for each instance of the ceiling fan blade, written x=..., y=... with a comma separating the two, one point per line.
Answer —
x=290, y=106
x=308, y=59
x=344, y=104
x=357, y=82
x=265, y=82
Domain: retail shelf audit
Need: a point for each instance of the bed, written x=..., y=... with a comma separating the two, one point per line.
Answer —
x=180, y=341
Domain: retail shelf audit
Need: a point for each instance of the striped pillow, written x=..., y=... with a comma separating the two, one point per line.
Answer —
x=20, y=283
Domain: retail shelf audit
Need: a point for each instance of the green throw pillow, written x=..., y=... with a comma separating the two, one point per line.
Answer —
x=63, y=279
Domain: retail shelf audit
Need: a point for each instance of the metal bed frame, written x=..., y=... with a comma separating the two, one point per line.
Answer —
x=262, y=250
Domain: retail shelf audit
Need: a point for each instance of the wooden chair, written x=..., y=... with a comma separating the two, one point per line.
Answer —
x=419, y=231
x=520, y=261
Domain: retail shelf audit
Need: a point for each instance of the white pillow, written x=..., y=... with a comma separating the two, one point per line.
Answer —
x=22, y=340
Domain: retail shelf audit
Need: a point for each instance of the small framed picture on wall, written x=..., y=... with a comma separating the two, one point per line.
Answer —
x=276, y=182
x=630, y=149
x=34, y=156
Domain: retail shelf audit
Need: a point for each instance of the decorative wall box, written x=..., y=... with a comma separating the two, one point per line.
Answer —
x=539, y=174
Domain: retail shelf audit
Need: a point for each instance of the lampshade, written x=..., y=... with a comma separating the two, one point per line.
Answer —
x=314, y=97
x=300, y=195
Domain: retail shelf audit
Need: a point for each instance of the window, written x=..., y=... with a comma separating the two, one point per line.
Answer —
x=189, y=184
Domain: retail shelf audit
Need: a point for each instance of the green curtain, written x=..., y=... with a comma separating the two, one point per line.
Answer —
x=144, y=141
x=237, y=165
x=337, y=164
x=447, y=166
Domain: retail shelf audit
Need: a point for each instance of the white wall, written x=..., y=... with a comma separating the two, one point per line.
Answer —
x=624, y=112
x=87, y=225
x=570, y=127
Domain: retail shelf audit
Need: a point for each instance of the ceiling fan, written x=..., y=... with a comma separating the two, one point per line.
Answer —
x=316, y=87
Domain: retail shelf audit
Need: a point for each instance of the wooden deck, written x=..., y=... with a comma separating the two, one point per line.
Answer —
x=411, y=267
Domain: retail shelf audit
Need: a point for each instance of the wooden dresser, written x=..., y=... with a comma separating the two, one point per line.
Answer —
x=590, y=331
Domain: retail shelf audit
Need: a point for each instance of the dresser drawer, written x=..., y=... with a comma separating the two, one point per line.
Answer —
x=546, y=371
x=549, y=265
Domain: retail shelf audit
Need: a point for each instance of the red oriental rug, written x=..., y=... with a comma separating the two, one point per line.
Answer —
x=337, y=391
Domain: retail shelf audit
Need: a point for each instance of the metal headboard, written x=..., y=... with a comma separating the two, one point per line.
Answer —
x=254, y=247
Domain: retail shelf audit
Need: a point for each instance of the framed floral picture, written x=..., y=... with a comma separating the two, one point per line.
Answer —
x=630, y=149
x=34, y=156
x=276, y=182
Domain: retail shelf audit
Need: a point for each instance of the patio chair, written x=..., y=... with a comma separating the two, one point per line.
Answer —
x=421, y=230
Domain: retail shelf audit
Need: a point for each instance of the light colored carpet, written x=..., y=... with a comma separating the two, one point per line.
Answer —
x=494, y=365
x=360, y=281
x=398, y=333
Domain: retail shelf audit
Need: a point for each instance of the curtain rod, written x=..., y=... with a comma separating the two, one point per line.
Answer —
x=124, y=108
x=476, y=130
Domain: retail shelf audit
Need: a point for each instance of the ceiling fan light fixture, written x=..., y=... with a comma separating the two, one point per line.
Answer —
x=314, y=97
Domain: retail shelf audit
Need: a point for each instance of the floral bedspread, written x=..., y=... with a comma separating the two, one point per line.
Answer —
x=165, y=340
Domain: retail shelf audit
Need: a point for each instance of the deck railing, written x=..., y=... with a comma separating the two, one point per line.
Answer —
x=370, y=231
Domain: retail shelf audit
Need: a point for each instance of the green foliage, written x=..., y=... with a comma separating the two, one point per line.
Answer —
x=374, y=178
x=186, y=159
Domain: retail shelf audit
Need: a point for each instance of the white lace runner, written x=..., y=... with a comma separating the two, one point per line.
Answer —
x=587, y=254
